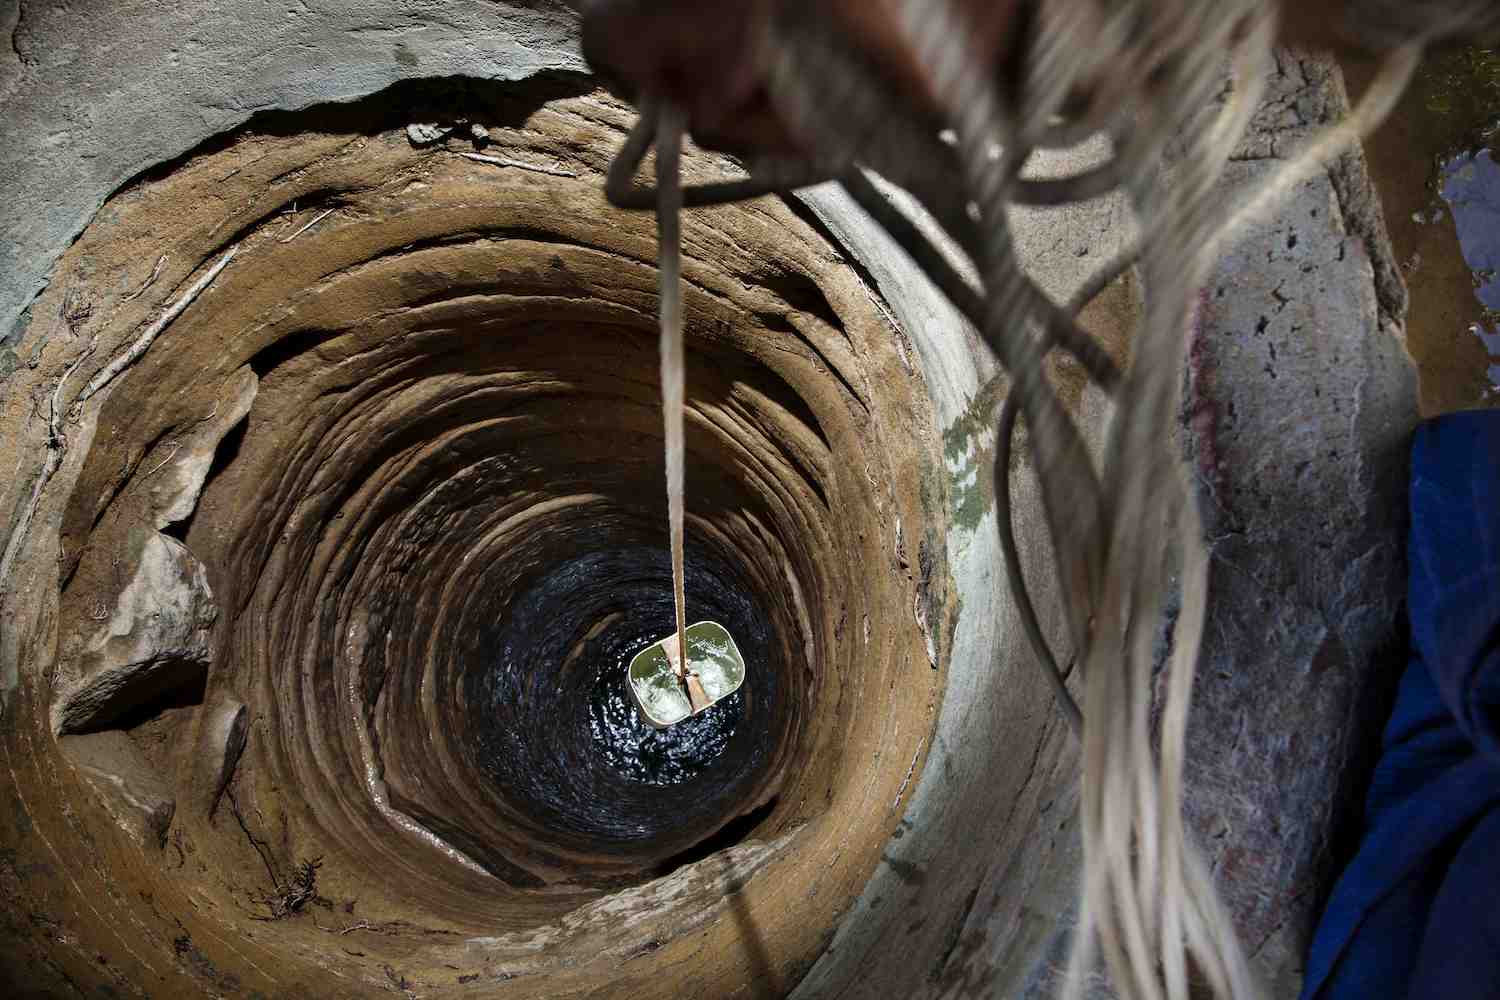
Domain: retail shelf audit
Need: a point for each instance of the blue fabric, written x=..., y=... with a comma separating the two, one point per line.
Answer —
x=1417, y=912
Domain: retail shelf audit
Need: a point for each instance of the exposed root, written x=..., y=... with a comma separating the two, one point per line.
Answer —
x=176, y=447
x=500, y=161
x=57, y=445
x=149, y=335
x=255, y=842
x=317, y=219
x=286, y=898
x=399, y=983
x=302, y=889
x=161, y=262
x=909, y=772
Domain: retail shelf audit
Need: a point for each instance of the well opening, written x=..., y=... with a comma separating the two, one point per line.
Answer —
x=410, y=440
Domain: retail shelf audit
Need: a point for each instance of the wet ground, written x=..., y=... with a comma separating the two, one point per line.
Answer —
x=1434, y=164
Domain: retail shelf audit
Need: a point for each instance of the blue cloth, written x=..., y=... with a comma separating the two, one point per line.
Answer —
x=1417, y=911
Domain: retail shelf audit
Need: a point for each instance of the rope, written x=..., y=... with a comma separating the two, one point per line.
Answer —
x=669, y=123
x=1149, y=78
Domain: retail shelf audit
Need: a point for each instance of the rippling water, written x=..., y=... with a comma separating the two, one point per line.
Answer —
x=642, y=753
x=562, y=739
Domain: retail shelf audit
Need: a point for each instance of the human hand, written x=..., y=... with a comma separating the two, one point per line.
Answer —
x=703, y=55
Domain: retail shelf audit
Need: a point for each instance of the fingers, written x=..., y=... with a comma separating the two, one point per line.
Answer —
x=704, y=56
x=698, y=54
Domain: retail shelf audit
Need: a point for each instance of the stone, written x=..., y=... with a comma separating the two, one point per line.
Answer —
x=224, y=726
x=175, y=486
x=154, y=639
x=83, y=104
x=424, y=134
x=133, y=793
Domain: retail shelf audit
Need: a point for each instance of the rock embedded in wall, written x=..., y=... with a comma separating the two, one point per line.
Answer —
x=153, y=637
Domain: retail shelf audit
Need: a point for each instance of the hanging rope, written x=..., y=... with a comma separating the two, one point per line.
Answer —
x=669, y=123
x=1149, y=78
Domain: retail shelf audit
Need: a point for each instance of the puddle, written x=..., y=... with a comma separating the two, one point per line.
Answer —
x=1471, y=188
x=1434, y=167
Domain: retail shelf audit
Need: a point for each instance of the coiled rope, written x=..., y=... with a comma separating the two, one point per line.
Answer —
x=1123, y=535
